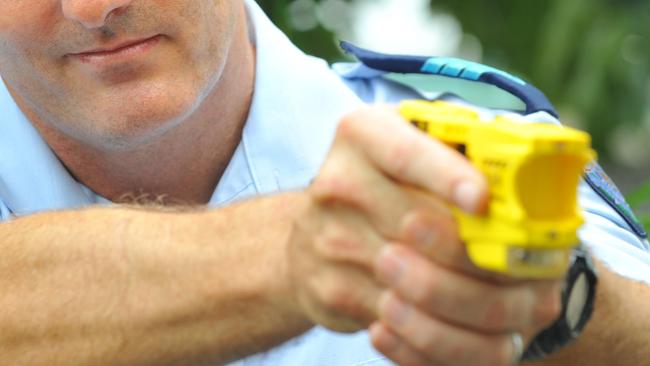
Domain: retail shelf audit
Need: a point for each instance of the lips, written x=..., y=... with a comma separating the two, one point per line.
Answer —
x=120, y=52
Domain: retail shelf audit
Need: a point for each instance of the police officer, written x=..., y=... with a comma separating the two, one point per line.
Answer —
x=206, y=103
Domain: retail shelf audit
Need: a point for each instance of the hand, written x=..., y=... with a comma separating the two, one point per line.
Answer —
x=379, y=248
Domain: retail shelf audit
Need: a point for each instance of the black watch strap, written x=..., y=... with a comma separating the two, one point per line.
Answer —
x=578, y=297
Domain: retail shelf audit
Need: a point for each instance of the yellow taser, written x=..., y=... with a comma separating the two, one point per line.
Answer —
x=533, y=171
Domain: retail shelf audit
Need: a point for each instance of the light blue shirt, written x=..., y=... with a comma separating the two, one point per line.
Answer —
x=297, y=102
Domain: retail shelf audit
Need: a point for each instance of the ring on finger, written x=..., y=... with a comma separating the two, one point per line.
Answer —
x=517, y=347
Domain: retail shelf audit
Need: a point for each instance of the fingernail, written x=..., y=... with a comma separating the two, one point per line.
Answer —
x=390, y=267
x=392, y=310
x=467, y=195
x=517, y=343
x=382, y=338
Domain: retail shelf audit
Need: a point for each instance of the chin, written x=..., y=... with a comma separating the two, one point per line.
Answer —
x=142, y=121
x=131, y=114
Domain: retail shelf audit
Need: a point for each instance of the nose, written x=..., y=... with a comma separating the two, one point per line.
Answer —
x=92, y=13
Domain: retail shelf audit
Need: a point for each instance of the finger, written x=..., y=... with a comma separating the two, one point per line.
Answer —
x=444, y=343
x=391, y=345
x=346, y=236
x=434, y=233
x=465, y=300
x=348, y=178
x=407, y=155
x=345, y=299
x=332, y=270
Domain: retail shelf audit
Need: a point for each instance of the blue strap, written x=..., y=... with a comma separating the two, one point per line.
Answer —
x=534, y=99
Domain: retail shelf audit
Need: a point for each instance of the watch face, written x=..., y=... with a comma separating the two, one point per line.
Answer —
x=577, y=301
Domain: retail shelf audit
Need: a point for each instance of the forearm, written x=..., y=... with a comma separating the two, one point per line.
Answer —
x=132, y=287
x=618, y=331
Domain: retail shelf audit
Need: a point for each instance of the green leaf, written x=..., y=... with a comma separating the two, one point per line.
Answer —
x=645, y=221
x=640, y=196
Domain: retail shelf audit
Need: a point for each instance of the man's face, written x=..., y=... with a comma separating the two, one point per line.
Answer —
x=113, y=70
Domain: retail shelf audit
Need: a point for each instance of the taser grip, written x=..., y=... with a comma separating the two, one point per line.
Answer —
x=533, y=171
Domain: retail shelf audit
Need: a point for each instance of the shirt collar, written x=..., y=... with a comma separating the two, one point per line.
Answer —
x=296, y=104
x=32, y=178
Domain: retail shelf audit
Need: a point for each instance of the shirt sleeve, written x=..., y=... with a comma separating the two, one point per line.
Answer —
x=5, y=214
x=611, y=240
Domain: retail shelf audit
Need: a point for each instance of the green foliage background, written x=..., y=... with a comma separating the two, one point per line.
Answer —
x=639, y=199
x=572, y=50
x=590, y=57
x=318, y=42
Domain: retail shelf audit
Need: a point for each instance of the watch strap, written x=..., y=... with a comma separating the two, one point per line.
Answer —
x=560, y=333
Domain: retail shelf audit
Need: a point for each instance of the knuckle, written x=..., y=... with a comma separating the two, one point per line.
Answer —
x=401, y=354
x=400, y=157
x=504, y=356
x=547, y=311
x=425, y=293
x=485, y=350
x=497, y=314
x=337, y=241
x=322, y=186
x=345, y=126
x=461, y=354
x=414, y=361
x=338, y=298
x=333, y=185
x=342, y=178
x=496, y=351
x=428, y=340
x=350, y=123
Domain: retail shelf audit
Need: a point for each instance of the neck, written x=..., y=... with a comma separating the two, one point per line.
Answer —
x=185, y=164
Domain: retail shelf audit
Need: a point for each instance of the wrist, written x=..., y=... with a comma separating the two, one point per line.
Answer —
x=296, y=208
x=259, y=256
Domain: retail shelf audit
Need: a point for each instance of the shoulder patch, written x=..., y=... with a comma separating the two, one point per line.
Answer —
x=605, y=187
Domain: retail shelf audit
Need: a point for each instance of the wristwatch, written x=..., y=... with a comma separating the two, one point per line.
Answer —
x=578, y=297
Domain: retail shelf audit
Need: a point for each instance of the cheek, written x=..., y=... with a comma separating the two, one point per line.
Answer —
x=214, y=31
x=27, y=29
x=23, y=21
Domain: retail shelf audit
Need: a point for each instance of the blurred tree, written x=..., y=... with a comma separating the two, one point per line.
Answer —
x=317, y=41
x=591, y=57
x=639, y=199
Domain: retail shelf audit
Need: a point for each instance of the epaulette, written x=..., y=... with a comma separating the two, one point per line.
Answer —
x=533, y=98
